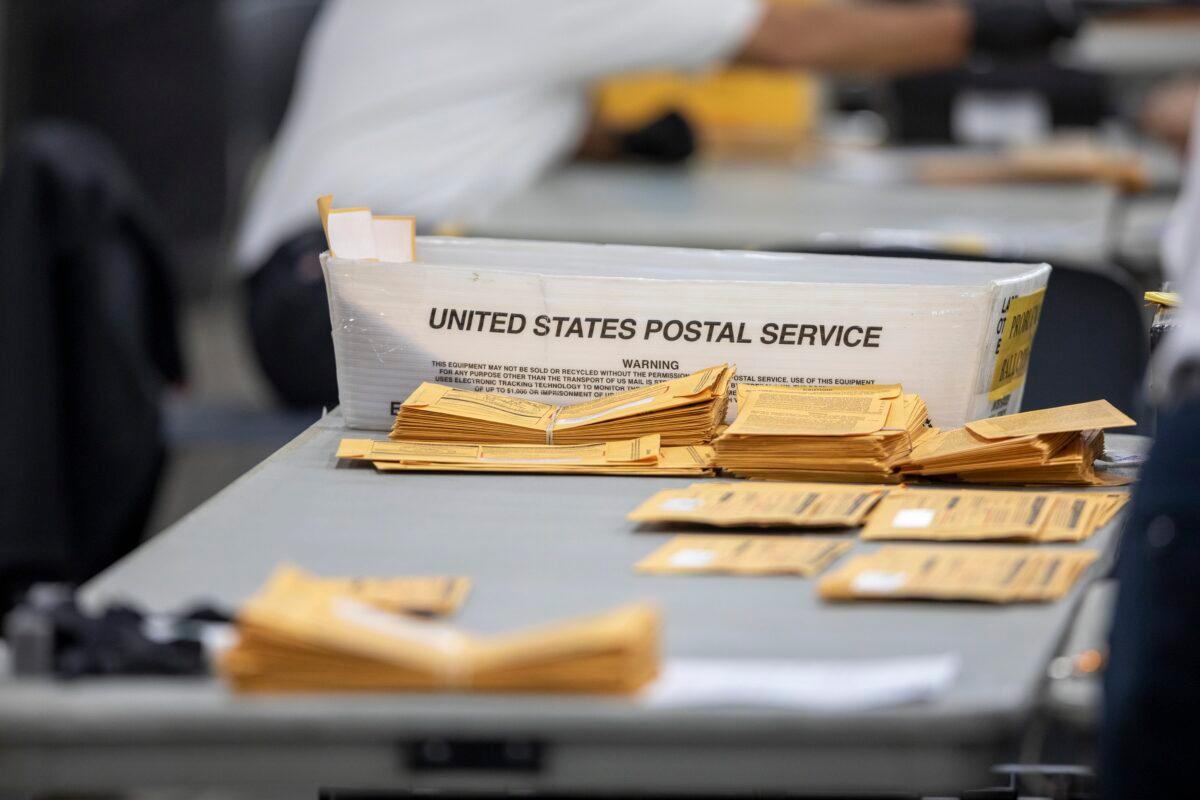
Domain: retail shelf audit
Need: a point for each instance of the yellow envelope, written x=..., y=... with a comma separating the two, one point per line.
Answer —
x=759, y=503
x=744, y=555
x=989, y=574
x=1096, y=414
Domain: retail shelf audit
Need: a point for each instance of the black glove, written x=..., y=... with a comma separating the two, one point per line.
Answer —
x=1008, y=27
x=666, y=140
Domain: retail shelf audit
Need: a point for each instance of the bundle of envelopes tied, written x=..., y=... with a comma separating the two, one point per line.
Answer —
x=662, y=430
x=801, y=433
x=682, y=411
x=1050, y=446
x=301, y=633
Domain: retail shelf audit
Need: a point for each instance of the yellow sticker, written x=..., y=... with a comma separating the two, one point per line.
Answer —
x=1016, y=344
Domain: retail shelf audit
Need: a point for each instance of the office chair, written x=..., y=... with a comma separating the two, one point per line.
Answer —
x=1092, y=342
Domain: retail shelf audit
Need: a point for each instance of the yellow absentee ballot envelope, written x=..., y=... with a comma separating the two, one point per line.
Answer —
x=1094, y=415
x=744, y=555
x=433, y=596
x=972, y=514
x=988, y=574
x=760, y=503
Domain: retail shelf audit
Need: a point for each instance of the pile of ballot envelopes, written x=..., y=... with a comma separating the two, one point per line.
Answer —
x=301, y=633
x=1051, y=446
x=682, y=411
x=865, y=433
x=642, y=456
x=801, y=433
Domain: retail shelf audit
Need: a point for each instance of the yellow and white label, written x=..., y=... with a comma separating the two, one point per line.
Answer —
x=1016, y=344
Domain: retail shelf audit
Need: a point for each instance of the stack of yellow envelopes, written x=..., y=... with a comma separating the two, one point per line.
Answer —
x=977, y=515
x=760, y=504
x=851, y=433
x=644, y=456
x=683, y=411
x=299, y=634
x=1049, y=446
x=989, y=574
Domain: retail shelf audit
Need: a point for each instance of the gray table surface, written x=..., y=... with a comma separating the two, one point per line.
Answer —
x=538, y=548
x=845, y=200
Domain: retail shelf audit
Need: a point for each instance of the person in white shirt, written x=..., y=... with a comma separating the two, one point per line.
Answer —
x=442, y=109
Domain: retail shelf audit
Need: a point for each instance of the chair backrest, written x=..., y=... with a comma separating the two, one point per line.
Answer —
x=1092, y=342
x=1092, y=339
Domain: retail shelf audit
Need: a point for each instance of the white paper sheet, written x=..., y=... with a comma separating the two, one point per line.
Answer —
x=395, y=238
x=823, y=686
x=351, y=233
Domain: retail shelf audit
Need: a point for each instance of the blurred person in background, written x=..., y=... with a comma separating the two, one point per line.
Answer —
x=441, y=110
x=1150, y=736
x=1167, y=113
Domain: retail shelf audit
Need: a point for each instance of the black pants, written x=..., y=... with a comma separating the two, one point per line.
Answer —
x=289, y=323
x=1150, y=738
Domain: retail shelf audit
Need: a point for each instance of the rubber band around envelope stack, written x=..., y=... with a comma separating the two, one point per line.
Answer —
x=907, y=435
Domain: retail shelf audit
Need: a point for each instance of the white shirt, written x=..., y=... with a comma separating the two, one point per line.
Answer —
x=442, y=108
x=1181, y=262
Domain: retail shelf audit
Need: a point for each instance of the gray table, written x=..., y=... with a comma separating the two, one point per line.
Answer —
x=538, y=548
x=855, y=202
